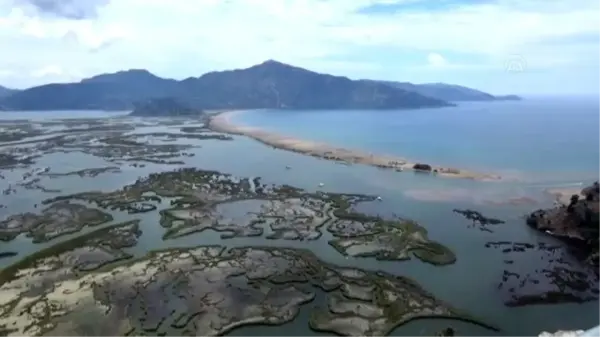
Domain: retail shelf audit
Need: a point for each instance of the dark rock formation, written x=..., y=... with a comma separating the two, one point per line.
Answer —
x=591, y=192
x=7, y=254
x=576, y=223
x=477, y=217
x=558, y=276
x=478, y=220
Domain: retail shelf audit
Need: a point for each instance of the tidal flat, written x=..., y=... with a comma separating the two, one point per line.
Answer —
x=130, y=226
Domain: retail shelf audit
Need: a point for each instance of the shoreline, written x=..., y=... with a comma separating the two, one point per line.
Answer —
x=221, y=122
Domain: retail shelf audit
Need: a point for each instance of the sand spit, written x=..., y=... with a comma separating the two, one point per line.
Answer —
x=221, y=122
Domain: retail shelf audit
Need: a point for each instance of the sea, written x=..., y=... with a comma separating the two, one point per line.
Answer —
x=536, y=144
x=546, y=140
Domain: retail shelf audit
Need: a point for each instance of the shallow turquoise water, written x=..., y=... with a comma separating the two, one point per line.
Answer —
x=469, y=284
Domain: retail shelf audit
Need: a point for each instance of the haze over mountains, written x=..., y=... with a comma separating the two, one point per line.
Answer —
x=168, y=106
x=449, y=92
x=6, y=91
x=270, y=84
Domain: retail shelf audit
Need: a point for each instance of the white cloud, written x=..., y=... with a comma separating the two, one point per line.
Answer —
x=436, y=60
x=180, y=38
x=51, y=70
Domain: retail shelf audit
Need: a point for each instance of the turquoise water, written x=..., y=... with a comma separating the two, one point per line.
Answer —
x=541, y=140
x=470, y=284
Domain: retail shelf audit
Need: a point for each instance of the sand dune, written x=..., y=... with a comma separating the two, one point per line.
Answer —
x=222, y=123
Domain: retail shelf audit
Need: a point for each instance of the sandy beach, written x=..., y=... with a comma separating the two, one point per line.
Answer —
x=563, y=195
x=221, y=122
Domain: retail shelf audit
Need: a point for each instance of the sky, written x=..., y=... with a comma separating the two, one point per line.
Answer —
x=528, y=47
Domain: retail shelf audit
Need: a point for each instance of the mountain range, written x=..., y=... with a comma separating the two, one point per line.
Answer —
x=270, y=84
x=449, y=92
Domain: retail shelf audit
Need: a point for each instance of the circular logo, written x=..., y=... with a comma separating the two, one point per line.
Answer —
x=515, y=64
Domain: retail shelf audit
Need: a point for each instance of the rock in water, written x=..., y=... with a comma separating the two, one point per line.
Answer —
x=576, y=223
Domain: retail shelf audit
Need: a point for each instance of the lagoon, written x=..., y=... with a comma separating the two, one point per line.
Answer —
x=470, y=284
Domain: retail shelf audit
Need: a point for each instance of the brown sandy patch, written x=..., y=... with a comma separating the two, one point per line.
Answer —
x=222, y=123
x=440, y=195
x=563, y=195
x=467, y=195
x=515, y=201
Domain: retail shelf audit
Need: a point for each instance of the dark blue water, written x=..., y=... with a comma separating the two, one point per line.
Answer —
x=545, y=139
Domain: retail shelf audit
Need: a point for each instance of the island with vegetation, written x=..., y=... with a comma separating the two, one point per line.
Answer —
x=161, y=107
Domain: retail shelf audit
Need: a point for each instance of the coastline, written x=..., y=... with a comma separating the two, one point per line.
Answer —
x=221, y=122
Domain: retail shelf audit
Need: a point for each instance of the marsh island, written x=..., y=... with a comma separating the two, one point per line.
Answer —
x=132, y=226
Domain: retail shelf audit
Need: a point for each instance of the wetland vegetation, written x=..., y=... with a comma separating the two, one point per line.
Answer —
x=87, y=278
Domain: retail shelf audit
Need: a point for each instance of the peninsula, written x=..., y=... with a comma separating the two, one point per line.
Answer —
x=221, y=122
x=450, y=92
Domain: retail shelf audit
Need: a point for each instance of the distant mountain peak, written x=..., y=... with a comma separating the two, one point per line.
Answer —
x=122, y=74
x=137, y=71
x=270, y=84
x=274, y=62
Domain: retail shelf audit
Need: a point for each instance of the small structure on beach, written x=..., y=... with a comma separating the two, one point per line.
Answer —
x=422, y=167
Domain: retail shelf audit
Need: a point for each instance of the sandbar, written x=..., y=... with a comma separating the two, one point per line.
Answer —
x=222, y=122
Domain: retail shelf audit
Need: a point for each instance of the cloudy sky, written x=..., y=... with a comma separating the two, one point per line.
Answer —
x=501, y=46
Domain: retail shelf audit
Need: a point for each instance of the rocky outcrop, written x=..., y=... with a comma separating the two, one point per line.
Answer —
x=577, y=223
